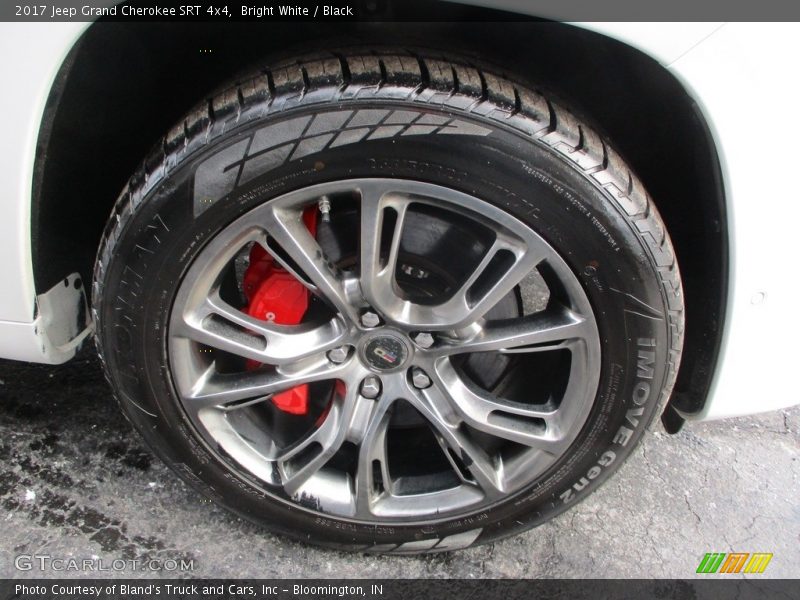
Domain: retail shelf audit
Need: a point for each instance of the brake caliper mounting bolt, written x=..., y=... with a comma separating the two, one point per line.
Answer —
x=420, y=379
x=324, y=206
x=371, y=387
x=370, y=319
x=423, y=339
x=338, y=355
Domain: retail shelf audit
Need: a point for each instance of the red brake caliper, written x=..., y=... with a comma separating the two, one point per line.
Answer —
x=275, y=295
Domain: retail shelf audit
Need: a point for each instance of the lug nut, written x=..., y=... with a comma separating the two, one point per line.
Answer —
x=420, y=379
x=424, y=339
x=371, y=387
x=370, y=319
x=338, y=355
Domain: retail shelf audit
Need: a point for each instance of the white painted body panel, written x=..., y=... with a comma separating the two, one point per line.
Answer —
x=32, y=54
x=743, y=77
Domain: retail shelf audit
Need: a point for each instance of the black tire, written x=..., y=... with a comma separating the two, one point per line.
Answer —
x=516, y=149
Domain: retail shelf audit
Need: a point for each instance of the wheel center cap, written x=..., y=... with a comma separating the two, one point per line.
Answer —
x=385, y=352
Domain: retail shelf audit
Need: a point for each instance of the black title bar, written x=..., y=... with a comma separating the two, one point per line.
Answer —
x=397, y=10
x=373, y=589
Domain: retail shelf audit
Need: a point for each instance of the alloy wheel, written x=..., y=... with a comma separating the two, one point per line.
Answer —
x=451, y=353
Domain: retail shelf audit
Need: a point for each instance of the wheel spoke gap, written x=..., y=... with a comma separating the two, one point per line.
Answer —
x=490, y=276
x=229, y=331
x=524, y=424
x=302, y=459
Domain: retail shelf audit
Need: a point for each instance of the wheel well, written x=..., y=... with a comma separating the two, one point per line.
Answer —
x=125, y=84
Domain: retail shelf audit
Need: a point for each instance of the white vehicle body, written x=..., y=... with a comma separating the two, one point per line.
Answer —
x=742, y=75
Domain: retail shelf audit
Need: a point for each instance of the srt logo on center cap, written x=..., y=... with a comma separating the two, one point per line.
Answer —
x=385, y=352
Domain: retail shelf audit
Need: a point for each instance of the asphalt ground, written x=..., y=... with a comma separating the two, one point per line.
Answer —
x=77, y=482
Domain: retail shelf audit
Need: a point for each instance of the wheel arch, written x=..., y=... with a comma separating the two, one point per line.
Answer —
x=124, y=85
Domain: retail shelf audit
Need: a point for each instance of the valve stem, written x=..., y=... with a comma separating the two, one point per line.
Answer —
x=325, y=209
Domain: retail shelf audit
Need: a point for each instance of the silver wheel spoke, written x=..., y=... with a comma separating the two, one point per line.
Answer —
x=476, y=296
x=501, y=275
x=537, y=332
x=286, y=227
x=219, y=325
x=484, y=473
x=303, y=460
x=372, y=457
x=378, y=278
x=217, y=389
x=534, y=427
x=341, y=424
x=437, y=408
